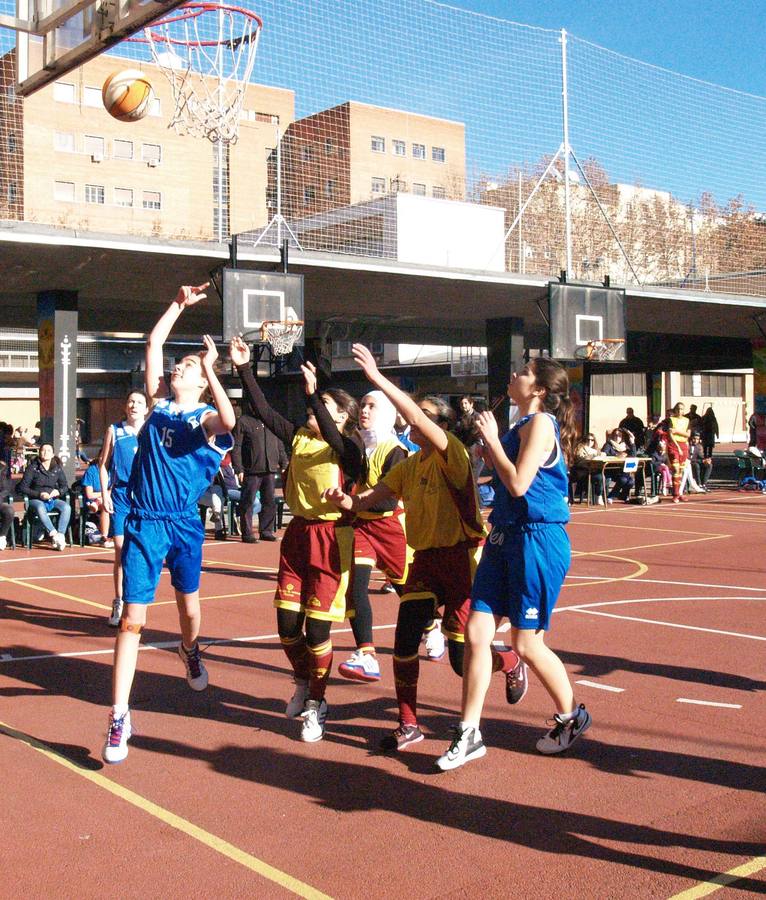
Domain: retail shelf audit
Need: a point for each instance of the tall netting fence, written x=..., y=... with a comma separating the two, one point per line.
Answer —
x=415, y=132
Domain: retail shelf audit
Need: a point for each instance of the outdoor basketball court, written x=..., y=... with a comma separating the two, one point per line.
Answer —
x=660, y=625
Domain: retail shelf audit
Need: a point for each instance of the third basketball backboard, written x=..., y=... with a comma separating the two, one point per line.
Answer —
x=55, y=36
x=251, y=298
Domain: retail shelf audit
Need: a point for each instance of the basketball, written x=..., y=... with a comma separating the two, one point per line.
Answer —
x=127, y=95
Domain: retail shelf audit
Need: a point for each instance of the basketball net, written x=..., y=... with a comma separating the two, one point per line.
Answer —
x=281, y=336
x=604, y=350
x=208, y=76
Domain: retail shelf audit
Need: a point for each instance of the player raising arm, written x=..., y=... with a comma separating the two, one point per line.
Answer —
x=526, y=557
x=180, y=448
x=315, y=554
x=444, y=528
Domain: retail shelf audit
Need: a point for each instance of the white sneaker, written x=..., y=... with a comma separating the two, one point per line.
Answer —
x=435, y=643
x=466, y=745
x=196, y=673
x=116, y=745
x=3, y=543
x=294, y=708
x=59, y=541
x=114, y=619
x=314, y=715
x=360, y=667
x=599, y=500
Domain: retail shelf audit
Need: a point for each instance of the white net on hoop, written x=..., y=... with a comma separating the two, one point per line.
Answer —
x=208, y=75
x=605, y=349
x=281, y=336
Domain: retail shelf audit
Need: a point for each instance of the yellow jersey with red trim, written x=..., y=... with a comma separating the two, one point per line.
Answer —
x=375, y=463
x=439, y=494
x=679, y=427
x=314, y=468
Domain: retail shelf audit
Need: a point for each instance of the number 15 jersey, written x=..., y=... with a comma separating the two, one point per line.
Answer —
x=175, y=462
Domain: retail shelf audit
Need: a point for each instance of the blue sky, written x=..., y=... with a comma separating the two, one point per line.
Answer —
x=722, y=41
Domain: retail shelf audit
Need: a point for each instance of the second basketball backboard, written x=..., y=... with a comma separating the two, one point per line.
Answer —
x=251, y=298
x=55, y=36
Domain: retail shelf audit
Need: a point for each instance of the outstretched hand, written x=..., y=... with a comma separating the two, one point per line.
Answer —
x=189, y=294
x=486, y=424
x=366, y=361
x=338, y=498
x=210, y=354
x=309, y=378
x=239, y=351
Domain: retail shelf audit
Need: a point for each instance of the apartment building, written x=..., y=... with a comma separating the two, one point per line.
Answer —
x=70, y=164
x=355, y=152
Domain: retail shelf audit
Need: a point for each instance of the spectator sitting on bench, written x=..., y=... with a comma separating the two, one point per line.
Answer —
x=44, y=485
x=622, y=482
x=93, y=498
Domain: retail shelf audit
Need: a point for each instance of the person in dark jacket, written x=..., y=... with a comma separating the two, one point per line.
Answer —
x=257, y=456
x=44, y=484
x=6, y=504
x=710, y=433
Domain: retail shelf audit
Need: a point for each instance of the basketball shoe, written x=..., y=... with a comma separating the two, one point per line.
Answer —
x=116, y=745
x=314, y=716
x=401, y=738
x=360, y=667
x=565, y=732
x=114, y=619
x=466, y=745
x=196, y=673
x=296, y=703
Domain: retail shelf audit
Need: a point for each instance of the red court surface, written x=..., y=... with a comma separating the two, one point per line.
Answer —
x=661, y=625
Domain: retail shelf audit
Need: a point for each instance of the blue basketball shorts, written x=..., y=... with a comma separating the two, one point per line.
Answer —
x=121, y=509
x=151, y=541
x=521, y=572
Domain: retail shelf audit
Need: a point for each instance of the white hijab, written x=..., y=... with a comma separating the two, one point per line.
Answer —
x=383, y=429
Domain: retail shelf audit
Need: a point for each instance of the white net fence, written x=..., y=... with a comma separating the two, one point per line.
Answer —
x=415, y=132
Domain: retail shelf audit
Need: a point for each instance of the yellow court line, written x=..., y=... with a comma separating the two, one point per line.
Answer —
x=218, y=597
x=37, y=587
x=189, y=828
x=641, y=570
x=607, y=551
x=235, y=565
x=636, y=527
x=704, y=888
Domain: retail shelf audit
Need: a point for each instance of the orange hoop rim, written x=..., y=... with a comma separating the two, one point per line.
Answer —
x=192, y=11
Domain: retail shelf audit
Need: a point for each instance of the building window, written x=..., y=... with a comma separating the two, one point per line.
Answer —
x=91, y=96
x=151, y=200
x=710, y=384
x=398, y=186
x=151, y=153
x=155, y=107
x=438, y=191
x=329, y=146
x=378, y=144
x=400, y=148
x=64, y=141
x=418, y=151
x=341, y=349
x=307, y=152
x=12, y=192
x=309, y=195
x=63, y=92
x=620, y=384
x=378, y=185
x=94, y=193
x=63, y=190
x=93, y=145
x=11, y=143
x=122, y=149
x=123, y=197
x=438, y=154
x=419, y=189
x=329, y=188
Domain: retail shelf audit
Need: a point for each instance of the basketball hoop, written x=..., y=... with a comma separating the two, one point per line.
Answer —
x=208, y=75
x=603, y=350
x=281, y=336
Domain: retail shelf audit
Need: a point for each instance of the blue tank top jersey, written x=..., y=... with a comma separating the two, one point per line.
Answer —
x=91, y=477
x=175, y=462
x=546, y=498
x=124, y=447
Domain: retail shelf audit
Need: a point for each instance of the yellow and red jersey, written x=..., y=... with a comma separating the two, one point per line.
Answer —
x=314, y=468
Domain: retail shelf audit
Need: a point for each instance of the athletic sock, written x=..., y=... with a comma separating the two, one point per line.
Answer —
x=366, y=648
x=298, y=655
x=504, y=660
x=119, y=709
x=474, y=725
x=567, y=717
x=406, y=672
x=320, y=663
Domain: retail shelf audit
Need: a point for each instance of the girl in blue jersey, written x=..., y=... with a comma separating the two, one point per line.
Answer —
x=115, y=463
x=525, y=558
x=180, y=448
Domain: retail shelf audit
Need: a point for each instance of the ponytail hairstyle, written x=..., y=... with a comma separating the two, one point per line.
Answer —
x=444, y=412
x=346, y=403
x=552, y=376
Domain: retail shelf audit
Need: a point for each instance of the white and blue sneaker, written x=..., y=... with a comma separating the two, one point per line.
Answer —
x=116, y=744
x=360, y=667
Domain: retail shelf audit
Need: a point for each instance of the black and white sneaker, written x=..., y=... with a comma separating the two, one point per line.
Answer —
x=466, y=745
x=196, y=673
x=516, y=683
x=564, y=733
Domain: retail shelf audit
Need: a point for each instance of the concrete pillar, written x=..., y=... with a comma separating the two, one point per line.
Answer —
x=505, y=354
x=57, y=355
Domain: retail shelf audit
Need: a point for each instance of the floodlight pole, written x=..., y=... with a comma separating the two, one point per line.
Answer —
x=567, y=148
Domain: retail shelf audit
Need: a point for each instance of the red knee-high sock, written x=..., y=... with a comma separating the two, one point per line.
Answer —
x=406, y=671
x=297, y=652
x=320, y=663
x=504, y=660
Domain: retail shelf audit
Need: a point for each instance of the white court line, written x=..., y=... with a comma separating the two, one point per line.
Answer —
x=709, y=703
x=594, y=612
x=722, y=587
x=601, y=687
x=165, y=645
x=69, y=555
